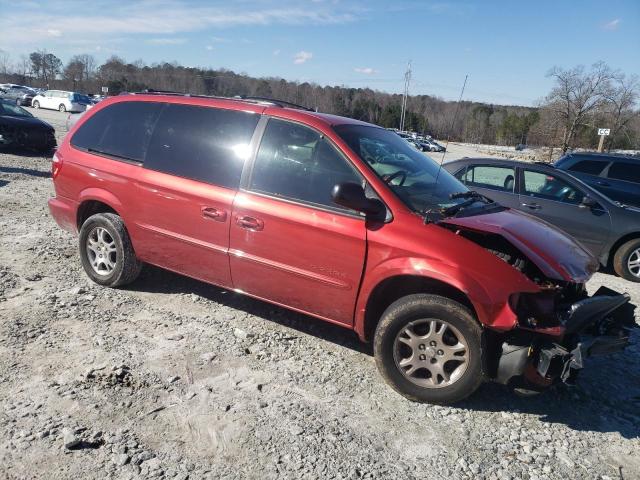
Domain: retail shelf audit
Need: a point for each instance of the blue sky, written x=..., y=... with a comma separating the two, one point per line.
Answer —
x=506, y=47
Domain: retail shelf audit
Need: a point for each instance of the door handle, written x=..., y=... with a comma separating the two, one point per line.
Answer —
x=532, y=206
x=250, y=223
x=214, y=213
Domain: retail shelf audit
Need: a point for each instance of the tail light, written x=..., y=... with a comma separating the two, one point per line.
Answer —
x=56, y=165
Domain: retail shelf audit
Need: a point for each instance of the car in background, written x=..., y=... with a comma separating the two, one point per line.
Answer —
x=20, y=129
x=436, y=147
x=608, y=229
x=520, y=147
x=62, y=101
x=616, y=176
x=19, y=95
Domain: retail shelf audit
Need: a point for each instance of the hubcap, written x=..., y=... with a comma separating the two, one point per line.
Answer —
x=431, y=353
x=634, y=263
x=101, y=251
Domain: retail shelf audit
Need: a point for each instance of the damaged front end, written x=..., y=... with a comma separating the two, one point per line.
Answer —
x=552, y=340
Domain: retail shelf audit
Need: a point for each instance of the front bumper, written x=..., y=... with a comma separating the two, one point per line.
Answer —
x=596, y=325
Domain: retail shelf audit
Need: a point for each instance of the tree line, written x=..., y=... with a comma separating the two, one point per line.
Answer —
x=581, y=100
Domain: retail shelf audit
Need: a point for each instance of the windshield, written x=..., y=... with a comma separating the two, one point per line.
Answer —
x=13, y=110
x=409, y=173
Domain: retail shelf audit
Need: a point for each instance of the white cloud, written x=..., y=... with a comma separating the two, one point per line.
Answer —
x=612, y=25
x=302, y=57
x=209, y=47
x=54, y=32
x=365, y=70
x=276, y=52
x=166, y=41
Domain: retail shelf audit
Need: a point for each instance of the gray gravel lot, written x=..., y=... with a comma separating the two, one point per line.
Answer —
x=173, y=378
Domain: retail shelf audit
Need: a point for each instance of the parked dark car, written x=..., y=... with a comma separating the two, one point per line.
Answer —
x=21, y=96
x=214, y=188
x=616, y=176
x=609, y=229
x=20, y=129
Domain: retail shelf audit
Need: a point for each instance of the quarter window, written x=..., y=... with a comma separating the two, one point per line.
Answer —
x=550, y=187
x=122, y=130
x=490, y=176
x=202, y=143
x=625, y=171
x=296, y=162
x=590, y=167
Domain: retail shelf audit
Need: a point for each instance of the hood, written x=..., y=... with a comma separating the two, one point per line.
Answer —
x=28, y=122
x=557, y=255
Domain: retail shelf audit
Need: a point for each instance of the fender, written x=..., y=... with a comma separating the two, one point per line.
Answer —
x=491, y=307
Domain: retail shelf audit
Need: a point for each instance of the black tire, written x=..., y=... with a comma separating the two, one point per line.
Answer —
x=62, y=108
x=621, y=259
x=127, y=266
x=36, y=104
x=422, y=306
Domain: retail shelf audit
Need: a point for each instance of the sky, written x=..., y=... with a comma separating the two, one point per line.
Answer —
x=505, y=47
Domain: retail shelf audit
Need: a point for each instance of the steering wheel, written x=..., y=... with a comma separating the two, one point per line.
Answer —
x=400, y=173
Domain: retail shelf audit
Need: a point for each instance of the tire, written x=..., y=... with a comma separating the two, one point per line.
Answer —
x=118, y=265
x=62, y=108
x=36, y=104
x=419, y=311
x=626, y=261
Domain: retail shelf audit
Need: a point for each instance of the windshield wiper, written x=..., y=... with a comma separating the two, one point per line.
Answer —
x=471, y=196
x=467, y=194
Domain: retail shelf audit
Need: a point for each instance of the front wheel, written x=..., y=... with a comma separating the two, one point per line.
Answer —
x=626, y=261
x=62, y=108
x=428, y=348
x=36, y=104
x=106, y=251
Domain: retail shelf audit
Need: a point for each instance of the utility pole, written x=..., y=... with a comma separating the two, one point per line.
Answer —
x=407, y=81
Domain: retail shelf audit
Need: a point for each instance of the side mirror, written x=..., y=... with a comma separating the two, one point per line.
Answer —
x=587, y=202
x=351, y=195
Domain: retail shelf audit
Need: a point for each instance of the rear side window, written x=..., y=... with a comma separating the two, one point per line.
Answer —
x=202, y=143
x=590, y=167
x=122, y=130
x=296, y=162
x=625, y=171
x=489, y=176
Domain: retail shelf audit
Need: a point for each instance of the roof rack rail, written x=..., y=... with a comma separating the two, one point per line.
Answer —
x=273, y=101
x=152, y=91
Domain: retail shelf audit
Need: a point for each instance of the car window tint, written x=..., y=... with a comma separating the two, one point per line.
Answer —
x=298, y=163
x=591, y=167
x=625, y=171
x=543, y=185
x=122, y=129
x=205, y=144
x=489, y=176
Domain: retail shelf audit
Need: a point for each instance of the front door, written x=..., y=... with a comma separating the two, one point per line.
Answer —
x=555, y=200
x=289, y=243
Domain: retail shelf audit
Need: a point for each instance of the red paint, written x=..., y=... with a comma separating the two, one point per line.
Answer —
x=314, y=261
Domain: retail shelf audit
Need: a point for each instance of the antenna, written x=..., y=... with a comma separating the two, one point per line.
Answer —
x=453, y=122
x=407, y=80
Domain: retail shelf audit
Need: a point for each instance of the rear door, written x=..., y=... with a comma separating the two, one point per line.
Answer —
x=191, y=174
x=289, y=243
x=557, y=201
x=494, y=181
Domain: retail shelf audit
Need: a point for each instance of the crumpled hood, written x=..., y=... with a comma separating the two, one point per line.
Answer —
x=555, y=253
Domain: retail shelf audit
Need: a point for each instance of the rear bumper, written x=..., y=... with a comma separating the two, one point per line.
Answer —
x=597, y=325
x=63, y=212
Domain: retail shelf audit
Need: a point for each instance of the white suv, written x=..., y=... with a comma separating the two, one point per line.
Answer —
x=61, y=100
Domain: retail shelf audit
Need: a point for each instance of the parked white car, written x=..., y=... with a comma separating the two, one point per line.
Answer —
x=61, y=100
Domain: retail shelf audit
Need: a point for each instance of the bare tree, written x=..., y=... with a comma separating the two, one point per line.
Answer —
x=5, y=63
x=620, y=107
x=577, y=94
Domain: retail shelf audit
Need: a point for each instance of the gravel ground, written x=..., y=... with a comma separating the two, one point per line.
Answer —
x=173, y=378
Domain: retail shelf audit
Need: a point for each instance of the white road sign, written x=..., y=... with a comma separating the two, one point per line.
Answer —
x=604, y=131
x=105, y=89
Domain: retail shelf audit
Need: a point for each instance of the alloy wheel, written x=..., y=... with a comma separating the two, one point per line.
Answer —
x=633, y=264
x=431, y=353
x=101, y=251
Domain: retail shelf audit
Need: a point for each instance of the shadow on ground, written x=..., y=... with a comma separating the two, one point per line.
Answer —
x=26, y=171
x=604, y=401
x=25, y=152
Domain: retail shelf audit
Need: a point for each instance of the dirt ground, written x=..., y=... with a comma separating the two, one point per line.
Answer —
x=173, y=378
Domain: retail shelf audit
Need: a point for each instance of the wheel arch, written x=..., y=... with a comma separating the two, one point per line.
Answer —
x=94, y=201
x=618, y=243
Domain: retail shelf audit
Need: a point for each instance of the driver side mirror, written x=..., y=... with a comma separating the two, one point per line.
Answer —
x=351, y=195
x=587, y=202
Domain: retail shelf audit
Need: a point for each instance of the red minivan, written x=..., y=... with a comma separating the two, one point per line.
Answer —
x=341, y=220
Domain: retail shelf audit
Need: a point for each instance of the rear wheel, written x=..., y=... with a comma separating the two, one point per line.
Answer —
x=36, y=104
x=62, y=108
x=106, y=251
x=428, y=348
x=626, y=261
